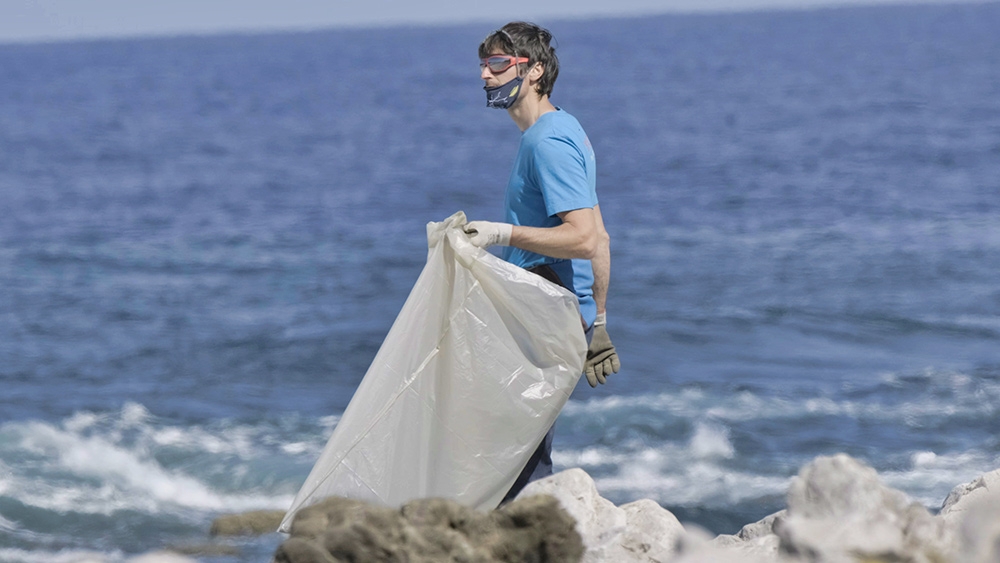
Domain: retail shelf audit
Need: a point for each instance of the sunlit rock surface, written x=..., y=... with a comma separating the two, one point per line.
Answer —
x=839, y=511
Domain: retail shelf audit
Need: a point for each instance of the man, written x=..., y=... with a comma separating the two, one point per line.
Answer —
x=553, y=221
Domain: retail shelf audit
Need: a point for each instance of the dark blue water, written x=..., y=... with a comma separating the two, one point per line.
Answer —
x=204, y=240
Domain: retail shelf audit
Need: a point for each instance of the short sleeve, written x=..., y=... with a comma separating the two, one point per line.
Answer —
x=561, y=174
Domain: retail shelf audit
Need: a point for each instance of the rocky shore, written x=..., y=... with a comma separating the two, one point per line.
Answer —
x=838, y=511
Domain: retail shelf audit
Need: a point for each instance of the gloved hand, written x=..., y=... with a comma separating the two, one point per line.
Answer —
x=486, y=233
x=602, y=359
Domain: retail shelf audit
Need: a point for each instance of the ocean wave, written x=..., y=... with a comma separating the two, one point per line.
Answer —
x=929, y=477
x=103, y=463
x=925, y=395
x=692, y=473
x=93, y=475
x=11, y=555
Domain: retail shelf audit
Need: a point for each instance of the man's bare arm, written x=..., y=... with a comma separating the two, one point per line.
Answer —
x=601, y=262
x=576, y=237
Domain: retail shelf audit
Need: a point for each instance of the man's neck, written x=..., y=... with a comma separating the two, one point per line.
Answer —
x=529, y=109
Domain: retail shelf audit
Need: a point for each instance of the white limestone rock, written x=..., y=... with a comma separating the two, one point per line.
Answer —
x=971, y=514
x=695, y=546
x=756, y=541
x=839, y=511
x=161, y=557
x=762, y=527
x=984, y=488
x=650, y=535
x=598, y=521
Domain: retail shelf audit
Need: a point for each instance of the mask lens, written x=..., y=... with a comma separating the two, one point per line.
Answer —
x=499, y=64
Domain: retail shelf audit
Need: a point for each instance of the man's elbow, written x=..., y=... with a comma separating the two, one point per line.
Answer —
x=590, y=245
x=603, y=240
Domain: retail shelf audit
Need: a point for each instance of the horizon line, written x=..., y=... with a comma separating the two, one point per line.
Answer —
x=361, y=25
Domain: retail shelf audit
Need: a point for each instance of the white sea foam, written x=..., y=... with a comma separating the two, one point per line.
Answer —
x=696, y=473
x=970, y=397
x=931, y=476
x=691, y=473
x=11, y=555
x=296, y=447
x=239, y=442
x=711, y=441
x=704, y=468
x=100, y=464
x=701, y=483
x=107, y=477
x=5, y=524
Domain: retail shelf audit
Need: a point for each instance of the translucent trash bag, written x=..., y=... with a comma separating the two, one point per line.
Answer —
x=475, y=369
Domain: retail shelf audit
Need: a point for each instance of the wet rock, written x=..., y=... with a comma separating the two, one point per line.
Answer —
x=431, y=531
x=253, y=523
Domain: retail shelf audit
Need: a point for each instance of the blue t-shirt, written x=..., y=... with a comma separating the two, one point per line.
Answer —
x=555, y=171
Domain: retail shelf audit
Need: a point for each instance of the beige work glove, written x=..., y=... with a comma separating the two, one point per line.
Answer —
x=485, y=233
x=602, y=359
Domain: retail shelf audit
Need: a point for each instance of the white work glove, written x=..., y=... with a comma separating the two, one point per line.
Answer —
x=602, y=358
x=486, y=233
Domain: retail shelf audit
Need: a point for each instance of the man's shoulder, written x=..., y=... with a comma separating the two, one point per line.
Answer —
x=554, y=128
x=554, y=123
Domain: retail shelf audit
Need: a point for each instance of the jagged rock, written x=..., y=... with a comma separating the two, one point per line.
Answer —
x=252, y=523
x=838, y=510
x=756, y=541
x=640, y=532
x=762, y=527
x=761, y=548
x=972, y=513
x=651, y=534
x=599, y=522
x=696, y=546
x=431, y=531
x=984, y=488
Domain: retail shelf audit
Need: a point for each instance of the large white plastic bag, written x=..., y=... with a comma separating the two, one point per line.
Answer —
x=472, y=374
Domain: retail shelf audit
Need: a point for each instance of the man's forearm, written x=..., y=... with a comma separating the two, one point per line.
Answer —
x=576, y=237
x=601, y=262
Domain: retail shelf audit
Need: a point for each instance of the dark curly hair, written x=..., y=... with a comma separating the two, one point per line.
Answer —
x=523, y=39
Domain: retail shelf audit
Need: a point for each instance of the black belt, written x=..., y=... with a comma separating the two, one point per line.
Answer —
x=548, y=273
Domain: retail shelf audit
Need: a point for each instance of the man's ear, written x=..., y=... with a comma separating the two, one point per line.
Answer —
x=535, y=74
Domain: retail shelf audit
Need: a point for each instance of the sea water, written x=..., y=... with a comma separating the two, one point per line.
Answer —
x=204, y=240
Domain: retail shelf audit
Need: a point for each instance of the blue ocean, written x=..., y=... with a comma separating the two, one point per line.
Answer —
x=204, y=241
